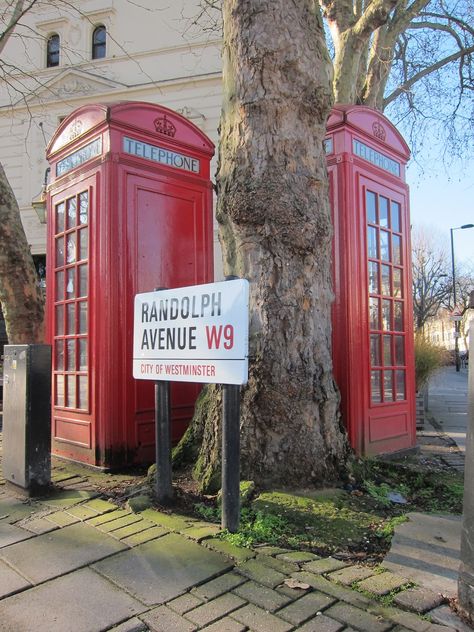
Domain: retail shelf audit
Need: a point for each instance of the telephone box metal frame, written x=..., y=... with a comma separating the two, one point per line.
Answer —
x=129, y=209
x=372, y=316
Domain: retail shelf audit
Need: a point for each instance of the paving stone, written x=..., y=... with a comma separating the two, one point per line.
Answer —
x=382, y=583
x=279, y=565
x=405, y=619
x=163, y=619
x=14, y=510
x=215, y=609
x=68, y=498
x=113, y=525
x=218, y=586
x=347, y=576
x=298, y=557
x=444, y=616
x=173, y=522
x=38, y=525
x=145, y=536
x=83, y=512
x=262, y=596
x=100, y=506
x=330, y=588
x=270, y=550
x=260, y=621
x=47, y=556
x=237, y=553
x=107, y=517
x=132, y=529
x=132, y=625
x=324, y=565
x=418, y=600
x=184, y=603
x=43, y=608
x=162, y=569
x=200, y=532
x=261, y=573
x=359, y=619
x=61, y=518
x=225, y=625
x=322, y=623
x=306, y=607
x=9, y=534
x=10, y=581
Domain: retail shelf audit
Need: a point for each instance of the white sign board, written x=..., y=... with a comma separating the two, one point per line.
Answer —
x=193, y=334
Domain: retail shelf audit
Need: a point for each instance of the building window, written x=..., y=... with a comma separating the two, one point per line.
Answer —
x=52, y=51
x=98, y=42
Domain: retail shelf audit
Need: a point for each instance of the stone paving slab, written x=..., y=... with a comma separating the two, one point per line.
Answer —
x=218, y=586
x=382, y=583
x=260, y=621
x=216, y=609
x=261, y=573
x=52, y=554
x=418, y=600
x=358, y=619
x=12, y=510
x=262, y=596
x=132, y=625
x=145, y=536
x=162, y=569
x=163, y=619
x=10, y=581
x=68, y=498
x=306, y=607
x=9, y=534
x=347, y=576
x=50, y=608
x=225, y=625
x=322, y=623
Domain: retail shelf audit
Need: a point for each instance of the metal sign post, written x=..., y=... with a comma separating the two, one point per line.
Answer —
x=195, y=334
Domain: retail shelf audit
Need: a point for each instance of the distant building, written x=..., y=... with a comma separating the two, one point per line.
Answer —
x=440, y=331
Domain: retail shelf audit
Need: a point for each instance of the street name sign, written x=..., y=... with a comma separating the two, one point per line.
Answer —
x=193, y=334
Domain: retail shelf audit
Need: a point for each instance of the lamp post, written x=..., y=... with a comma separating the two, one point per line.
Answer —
x=456, y=322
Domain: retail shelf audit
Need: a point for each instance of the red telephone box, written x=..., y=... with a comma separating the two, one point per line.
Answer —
x=372, y=313
x=129, y=210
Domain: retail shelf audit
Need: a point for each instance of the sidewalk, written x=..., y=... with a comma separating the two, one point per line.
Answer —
x=75, y=562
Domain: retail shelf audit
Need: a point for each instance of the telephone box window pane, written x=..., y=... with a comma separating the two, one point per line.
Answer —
x=71, y=318
x=60, y=217
x=388, y=386
x=83, y=207
x=384, y=245
x=83, y=280
x=375, y=350
x=83, y=393
x=71, y=212
x=386, y=281
x=59, y=320
x=374, y=287
x=386, y=309
x=374, y=316
x=71, y=354
x=82, y=354
x=71, y=248
x=83, y=244
x=71, y=283
x=370, y=198
x=375, y=387
x=59, y=251
x=399, y=350
x=395, y=217
x=397, y=282
x=383, y=212
x=60, y=286
x=71, y=391
x=387, y=350
x=59, y=390
x=59, y=362
x=372, y=242
x=397, y=250
x=82, y=317
x=398, y=316
x=400, y=385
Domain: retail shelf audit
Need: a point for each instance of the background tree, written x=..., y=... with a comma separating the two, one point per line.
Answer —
x=431, y=282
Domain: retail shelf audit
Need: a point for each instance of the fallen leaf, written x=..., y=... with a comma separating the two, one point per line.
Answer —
x=294, y=583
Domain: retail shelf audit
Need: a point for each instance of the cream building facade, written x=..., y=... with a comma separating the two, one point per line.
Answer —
x=155, y=51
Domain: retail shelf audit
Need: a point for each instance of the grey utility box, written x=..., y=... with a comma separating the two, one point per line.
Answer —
x=27, y=416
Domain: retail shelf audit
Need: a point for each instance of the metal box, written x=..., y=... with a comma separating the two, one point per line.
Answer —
x=27, y=416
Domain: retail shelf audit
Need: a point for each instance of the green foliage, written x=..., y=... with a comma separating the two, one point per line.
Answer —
x=258, y=527
x=387, y=528
x=207, y=512
x=428, y=359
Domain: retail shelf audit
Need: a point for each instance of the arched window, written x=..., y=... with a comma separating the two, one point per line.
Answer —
x=98, y=42
x=52, y=51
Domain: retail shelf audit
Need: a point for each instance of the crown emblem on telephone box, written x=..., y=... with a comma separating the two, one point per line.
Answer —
x=379, y=130
x=165, y=126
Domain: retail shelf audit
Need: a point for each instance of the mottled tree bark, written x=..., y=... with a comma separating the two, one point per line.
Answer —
x=275, y=230
x=20, y=295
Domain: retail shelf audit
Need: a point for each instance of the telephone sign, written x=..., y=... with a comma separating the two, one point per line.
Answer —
x=193, y=334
